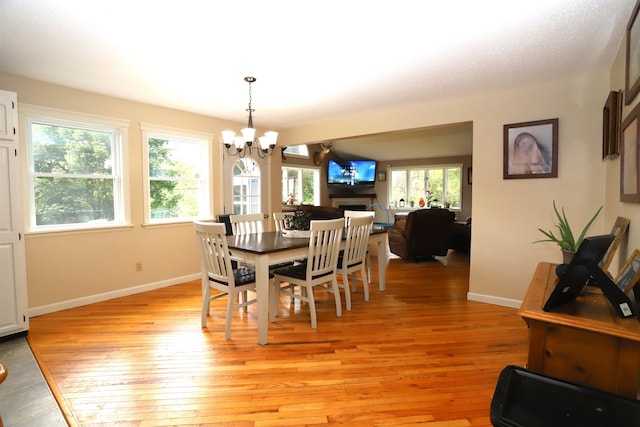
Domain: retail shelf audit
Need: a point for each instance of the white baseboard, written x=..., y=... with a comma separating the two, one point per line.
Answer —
x=505, y=302
x=63, y=305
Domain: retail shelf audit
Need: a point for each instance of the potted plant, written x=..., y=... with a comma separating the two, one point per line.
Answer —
x=297, y=224
x=565, y=238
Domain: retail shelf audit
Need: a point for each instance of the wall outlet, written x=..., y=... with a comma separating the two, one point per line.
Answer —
x=138, y=266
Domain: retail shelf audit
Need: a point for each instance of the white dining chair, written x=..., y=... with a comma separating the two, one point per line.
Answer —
x=279, y=220
x=217, y=273
x=247, y=223
x=352, y=258
x=319, y=270
x=350, y=214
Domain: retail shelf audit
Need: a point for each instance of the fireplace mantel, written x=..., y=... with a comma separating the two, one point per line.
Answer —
x=353, y=196
x=350, y=200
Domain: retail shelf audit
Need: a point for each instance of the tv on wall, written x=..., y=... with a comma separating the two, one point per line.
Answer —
x=351, y=173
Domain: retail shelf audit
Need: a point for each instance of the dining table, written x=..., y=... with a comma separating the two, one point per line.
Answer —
x=271, y=248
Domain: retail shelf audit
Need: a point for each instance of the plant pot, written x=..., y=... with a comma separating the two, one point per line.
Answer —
x=567, y=256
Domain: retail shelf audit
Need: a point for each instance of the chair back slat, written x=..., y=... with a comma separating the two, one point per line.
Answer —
x=324, y=246
x=214, y=252
x=247, y=223
x=278, y=218
x=357, y=239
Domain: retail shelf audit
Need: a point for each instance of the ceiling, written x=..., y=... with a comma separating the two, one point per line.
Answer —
x=313, y=60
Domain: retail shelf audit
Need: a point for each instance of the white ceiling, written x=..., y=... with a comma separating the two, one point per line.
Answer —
x=313, y=60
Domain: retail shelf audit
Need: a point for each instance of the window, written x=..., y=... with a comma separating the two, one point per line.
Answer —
x=411, y=184
x=177, y=186
x=297, y=150
x=75, y=174
x=246, y=187
x=300, y=185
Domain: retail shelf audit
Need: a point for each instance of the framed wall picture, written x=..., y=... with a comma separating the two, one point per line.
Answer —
x=632, y=69
x=531, y=149
x=611, y=122
x=619, y=228
x=469, y=176
x=382, y=176
x=629, y=168
x=630, y=274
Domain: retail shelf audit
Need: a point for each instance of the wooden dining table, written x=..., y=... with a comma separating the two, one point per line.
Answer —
x=270, y=248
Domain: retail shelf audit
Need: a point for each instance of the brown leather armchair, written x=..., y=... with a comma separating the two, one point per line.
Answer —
x=425, y=234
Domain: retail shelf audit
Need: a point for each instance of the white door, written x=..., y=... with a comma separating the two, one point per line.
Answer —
x=13, y=276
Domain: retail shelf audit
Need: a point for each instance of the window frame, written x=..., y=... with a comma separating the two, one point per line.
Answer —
x=250, y=198
x=162, y=132
x=298, y=155
x=30, y=114
x=425, y=169
x=298, y=197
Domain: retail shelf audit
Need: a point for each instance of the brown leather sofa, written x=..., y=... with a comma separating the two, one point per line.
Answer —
x=425, y=234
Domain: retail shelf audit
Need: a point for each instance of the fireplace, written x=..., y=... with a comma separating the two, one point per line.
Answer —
x=356, y=207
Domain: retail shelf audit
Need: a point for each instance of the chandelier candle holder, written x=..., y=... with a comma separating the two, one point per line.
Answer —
x=235, y=145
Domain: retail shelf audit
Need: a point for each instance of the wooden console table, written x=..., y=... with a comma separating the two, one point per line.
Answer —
x=584, y=342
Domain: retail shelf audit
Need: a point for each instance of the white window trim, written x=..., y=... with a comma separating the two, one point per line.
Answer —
x=316, y=181
x=29, y=112
x=153, y=130
x=299, y=156
x=390, y=169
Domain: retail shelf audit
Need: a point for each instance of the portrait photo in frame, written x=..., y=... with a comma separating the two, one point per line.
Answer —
x=629, y=168
x=382, y=176
x=632, y=68
x=630, y=273
x=611, y=122
x=531, y=149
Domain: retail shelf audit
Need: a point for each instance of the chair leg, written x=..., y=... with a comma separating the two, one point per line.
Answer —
x=347, y=292
x=206, y=301
x=227, y=326
x=312, y=306
x=365, y=284
x=336, y=294
x=274, y=300
x=368, y=261
x=245, y=298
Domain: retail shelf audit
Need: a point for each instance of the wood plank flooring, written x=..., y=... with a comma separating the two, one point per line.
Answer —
x=417, y=354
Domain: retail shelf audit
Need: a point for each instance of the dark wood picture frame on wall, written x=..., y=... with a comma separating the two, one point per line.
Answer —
x=531, y=149
x=611, y=122
x=632, y=68
x=629, y=155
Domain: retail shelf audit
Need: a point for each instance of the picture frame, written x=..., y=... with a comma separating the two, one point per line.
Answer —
x=382, y=176
x=531, y=149
x=629, y=275
x=629, y=167
x=611, y=123
x=469, y=176
x=632, y=63
x=620, y=227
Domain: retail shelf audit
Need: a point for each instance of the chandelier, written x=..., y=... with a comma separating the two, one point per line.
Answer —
x=235, y=145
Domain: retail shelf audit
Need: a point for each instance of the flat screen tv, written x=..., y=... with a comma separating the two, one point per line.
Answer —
x=351, y=173
x=583, y=270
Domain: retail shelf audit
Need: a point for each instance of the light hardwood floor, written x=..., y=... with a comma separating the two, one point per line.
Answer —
x=417, y=354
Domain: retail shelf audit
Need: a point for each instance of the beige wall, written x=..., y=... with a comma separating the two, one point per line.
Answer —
x=507, y=213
